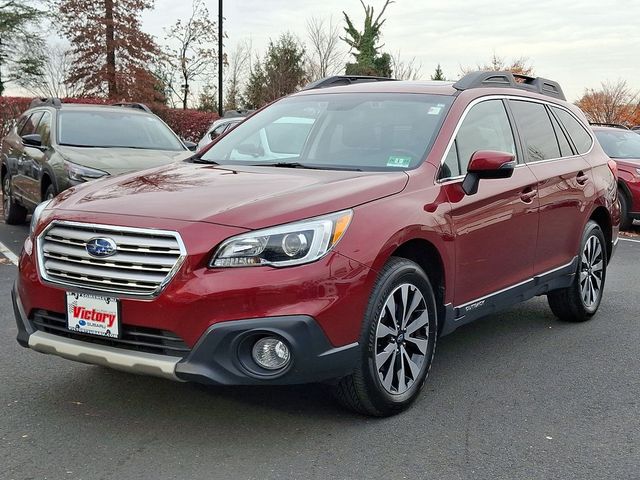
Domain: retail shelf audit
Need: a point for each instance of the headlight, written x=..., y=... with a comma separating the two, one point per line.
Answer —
x=286, y=245
x=37, y=213
x=78, y=173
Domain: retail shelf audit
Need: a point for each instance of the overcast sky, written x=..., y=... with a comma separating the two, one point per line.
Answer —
x=576, y=42
x=579, y=43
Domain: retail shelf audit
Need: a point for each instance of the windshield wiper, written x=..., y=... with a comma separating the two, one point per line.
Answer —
x=304, y=165
x=198, y=159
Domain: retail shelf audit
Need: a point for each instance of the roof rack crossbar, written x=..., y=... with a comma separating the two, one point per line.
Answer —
x=540, y=85
x=46, y=102
x=136, y=105
x=338, y=80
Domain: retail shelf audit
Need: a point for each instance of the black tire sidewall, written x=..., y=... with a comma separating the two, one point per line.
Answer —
x=592, y=229
x=51, y=189
x=625, y=221
x=401, y=271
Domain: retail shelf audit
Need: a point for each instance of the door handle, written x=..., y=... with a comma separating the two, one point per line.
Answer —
x=528, y=194
x=581, y=178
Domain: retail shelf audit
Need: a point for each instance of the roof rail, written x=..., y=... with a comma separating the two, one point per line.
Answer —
x=46, y=102
x=237, y=113
x=138, y=106
x=338, y=80
x=613, y=125
x=510, y=80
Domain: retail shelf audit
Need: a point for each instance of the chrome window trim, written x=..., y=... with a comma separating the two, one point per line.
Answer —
x=114, y=293
x=506, y=97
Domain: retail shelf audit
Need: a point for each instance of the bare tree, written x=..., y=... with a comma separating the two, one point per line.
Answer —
x=56, y=69
x=324, y=57
x=405, y=69
x=520, y=65
x=615, y=102
x=193, y=54
x=238, y=66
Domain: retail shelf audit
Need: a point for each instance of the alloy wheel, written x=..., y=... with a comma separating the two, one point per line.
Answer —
x=402, y=339
x=591, y=271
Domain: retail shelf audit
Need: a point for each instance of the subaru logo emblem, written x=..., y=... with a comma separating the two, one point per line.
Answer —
x=101, y=247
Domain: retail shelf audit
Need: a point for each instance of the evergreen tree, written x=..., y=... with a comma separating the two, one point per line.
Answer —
x=438, y=74
x=368, y=59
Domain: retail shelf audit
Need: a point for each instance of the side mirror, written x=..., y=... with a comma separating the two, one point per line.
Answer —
x=32, y=140
x=190, y=145
x=487, y=164
x=250, y=149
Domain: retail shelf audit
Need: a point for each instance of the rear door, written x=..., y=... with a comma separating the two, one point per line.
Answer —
x=495, y=229
x=564, y=180
x=22, y=155
x=35, y=158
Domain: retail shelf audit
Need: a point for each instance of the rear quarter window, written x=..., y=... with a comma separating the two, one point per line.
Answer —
x=578, y=133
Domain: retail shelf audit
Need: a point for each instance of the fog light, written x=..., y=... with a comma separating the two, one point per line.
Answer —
x=271, y=353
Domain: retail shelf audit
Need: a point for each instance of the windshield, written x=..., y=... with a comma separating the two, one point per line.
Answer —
x=619, y=143
x=93, y=128
x=360, y=131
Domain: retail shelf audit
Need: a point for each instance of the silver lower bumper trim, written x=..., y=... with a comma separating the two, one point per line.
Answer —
x=128, y=361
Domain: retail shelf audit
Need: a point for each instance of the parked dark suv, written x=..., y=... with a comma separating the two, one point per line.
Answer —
x=54, y=146
x=330, y=237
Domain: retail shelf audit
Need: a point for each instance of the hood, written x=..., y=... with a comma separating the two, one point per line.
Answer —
x=116, y=161
x=246, y=197
x=632, y=162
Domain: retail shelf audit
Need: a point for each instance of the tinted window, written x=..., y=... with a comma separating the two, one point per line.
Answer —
x=20, y=123
x=44, y=128
x=536, y=130
x=29, y=128
x=87, y=128
x=356, y=130
x=581, y=139
x=486, y=127
x=565, y=146
x=619, y=143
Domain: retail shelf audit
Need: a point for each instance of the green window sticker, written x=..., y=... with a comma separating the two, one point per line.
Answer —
x=399, y=161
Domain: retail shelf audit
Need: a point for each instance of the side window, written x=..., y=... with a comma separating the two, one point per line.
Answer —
x=20, y=123
x=219, y=130
x=44, y=128
x=565, y=146
x=581, y=138
x=31, y=124
x=486, y=127
x=536, y=130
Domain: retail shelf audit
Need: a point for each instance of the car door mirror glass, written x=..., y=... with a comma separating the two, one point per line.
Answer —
x=32, y=140
x=190, y=145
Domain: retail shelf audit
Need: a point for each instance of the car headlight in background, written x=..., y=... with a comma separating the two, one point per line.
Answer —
x=37, y=213
x=78, y=173
x=286, y=245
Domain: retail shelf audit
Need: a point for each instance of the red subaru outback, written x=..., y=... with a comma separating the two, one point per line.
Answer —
x=330, y=237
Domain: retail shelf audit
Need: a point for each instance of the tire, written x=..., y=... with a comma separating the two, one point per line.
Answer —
x=13, y=212
x=50, y=193
x=580, y=301
x=397, y=352
x=625, y=220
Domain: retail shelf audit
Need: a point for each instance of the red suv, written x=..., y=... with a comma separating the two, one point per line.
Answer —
x=623, y=145
x=332, y=236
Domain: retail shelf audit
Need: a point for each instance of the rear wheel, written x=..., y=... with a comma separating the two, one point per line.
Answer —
x=398, y=343
x=13, y=212
x=625, y=219
x=580, y=301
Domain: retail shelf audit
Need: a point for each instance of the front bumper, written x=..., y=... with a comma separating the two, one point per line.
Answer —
x=217, y=358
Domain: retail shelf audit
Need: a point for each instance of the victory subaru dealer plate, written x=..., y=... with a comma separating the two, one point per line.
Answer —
x=93, y=315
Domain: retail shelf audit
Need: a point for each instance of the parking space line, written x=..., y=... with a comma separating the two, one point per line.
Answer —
x=629, y=240
x=9, y=254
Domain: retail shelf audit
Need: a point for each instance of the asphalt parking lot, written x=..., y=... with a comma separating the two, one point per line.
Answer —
x=517, y=395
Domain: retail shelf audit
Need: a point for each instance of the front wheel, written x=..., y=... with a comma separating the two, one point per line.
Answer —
x=398, y=342
x=625, y=220
x=580, y=301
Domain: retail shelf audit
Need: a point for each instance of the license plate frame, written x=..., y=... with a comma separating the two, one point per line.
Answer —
x=93, y=315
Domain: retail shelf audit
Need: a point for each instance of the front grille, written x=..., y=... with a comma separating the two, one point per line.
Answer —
x=143, y=263
x=141, y=339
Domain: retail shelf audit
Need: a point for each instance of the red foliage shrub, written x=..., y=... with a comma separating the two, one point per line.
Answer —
x=188, y=124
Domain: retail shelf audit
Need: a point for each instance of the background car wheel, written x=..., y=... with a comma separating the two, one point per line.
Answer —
x=625, y=219
x=398, y=342
x=581, y=300
x=13, y=212
x=50, y=193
